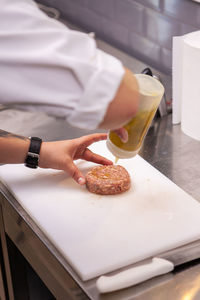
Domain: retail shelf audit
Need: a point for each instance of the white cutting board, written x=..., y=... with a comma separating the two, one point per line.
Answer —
x=98, y=234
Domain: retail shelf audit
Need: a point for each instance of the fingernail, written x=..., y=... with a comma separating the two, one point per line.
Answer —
x=124, y=137
x=81, y=180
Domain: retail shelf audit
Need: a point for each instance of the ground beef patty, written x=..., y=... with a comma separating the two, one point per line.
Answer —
x=108, y=180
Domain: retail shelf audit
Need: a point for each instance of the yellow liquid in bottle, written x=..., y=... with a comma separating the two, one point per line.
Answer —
x=137, y=129
x=116, y=159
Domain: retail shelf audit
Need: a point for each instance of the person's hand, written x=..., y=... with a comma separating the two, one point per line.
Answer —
x=60, y=155
x=122, y=133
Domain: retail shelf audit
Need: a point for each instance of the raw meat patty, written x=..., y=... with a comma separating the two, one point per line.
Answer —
x=108, y=180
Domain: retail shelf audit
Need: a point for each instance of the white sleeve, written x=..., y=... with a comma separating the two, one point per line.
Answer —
x=46, y=66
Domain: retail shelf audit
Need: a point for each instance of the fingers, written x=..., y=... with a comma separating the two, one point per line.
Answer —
x=82, y=152
x=92, y=138
x=75, y=173
x=122, y=133
x=96, y=158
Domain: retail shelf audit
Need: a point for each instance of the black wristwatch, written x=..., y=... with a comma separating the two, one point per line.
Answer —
x=33, y=154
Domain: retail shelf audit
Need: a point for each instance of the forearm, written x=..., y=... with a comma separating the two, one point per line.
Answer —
x=125, y=104
x=13, y=148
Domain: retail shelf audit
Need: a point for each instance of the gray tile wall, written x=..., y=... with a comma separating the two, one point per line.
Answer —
x=142, y=28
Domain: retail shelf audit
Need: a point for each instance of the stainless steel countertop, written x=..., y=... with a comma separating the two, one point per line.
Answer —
x=176, y=155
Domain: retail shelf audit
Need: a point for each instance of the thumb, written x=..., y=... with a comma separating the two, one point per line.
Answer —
x=122, y=133
x=75, y=173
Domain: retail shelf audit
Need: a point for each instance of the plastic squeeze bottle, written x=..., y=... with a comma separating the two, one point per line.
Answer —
x=150, y=94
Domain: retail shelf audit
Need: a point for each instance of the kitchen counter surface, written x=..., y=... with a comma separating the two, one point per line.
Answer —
x=173, y=153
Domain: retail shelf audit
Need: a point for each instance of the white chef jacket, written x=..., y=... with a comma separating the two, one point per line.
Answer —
x=48, y=67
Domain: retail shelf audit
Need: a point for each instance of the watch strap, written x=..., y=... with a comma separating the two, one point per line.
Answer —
x=33, y=156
